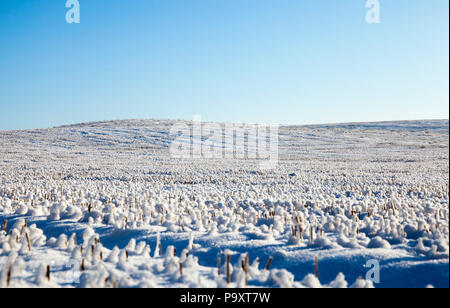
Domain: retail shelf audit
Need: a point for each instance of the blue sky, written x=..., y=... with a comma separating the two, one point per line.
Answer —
x=271, y=61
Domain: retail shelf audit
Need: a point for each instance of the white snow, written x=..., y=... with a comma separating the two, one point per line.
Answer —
x=105, y=205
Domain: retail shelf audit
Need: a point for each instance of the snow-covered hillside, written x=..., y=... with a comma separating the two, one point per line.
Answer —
x=106, y=205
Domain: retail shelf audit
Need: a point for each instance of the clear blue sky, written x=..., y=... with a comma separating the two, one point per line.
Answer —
x=264, y=61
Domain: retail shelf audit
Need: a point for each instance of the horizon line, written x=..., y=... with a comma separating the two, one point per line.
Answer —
x=231, y=122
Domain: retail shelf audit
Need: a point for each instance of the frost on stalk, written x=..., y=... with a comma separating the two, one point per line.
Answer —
x=41, y=275
x=281, y=278
x=114, y=255
x=158, y=246
x=362, y=284
x=339, y=282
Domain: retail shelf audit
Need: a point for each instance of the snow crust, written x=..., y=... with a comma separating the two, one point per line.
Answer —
x=105, y=205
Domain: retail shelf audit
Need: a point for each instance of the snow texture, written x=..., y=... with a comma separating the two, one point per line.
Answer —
x=105, y=205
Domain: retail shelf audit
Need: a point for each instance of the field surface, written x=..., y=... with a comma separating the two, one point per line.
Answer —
x=106, y=205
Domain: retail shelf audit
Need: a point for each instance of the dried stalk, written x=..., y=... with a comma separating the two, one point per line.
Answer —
x=228, y=269
x=8, y=275
x=47, y=274
x=269, y=263
x=28, y=241
x=5, y=225
x=316, y=267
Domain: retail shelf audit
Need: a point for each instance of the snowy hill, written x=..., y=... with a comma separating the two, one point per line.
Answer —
x=344, y=193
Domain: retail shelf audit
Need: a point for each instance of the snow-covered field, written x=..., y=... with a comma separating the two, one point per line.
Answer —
x=105, y=205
